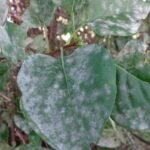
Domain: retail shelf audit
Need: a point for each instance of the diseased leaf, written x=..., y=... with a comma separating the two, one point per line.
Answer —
x=4, y=39
x=68, y=102
x=133, y=97
x=118, y=25
x=3, y=11
x=39, y=13
x=12, y=42
x=132, y=101
x=134, y=59
x=108, y=17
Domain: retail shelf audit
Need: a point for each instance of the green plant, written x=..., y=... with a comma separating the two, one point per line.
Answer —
x=67, y=100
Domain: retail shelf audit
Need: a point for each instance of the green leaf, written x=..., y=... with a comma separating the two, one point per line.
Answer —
x=4, y=74
x=89, y=10
x=68, y=102
x=4, y=39
x=118, y=25
x=35, y=139
x=134, y=59
x=132, y=101
x=39, y=13
x=3, y=11
x=39, y=43
x=12, y=42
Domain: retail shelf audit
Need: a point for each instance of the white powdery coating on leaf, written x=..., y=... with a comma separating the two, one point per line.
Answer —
x=136, y=118
x=68, y=122
x=107, y=89
x=106, y=57
x=140, y=121
x=3, y=11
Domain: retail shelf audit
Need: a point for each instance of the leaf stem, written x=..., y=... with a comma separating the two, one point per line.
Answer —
x=119, y=136
x=64, y=71
x=73, y=16
x=45, y=34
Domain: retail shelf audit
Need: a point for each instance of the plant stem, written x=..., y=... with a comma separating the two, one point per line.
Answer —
x=119, y=136
x=73, y=17
x=64, y=71
x=5, y=97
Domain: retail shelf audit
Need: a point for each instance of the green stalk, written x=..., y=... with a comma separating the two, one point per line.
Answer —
x=64, y=71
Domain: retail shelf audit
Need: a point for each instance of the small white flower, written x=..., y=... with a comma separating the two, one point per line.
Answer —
x=66, y=37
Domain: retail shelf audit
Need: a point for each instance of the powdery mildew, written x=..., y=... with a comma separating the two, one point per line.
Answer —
x=75, y=121
x=132, y=101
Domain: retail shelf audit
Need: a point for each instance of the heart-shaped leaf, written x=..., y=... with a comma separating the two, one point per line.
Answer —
x=133, y=96
x=68, y=102
x=132, y=101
